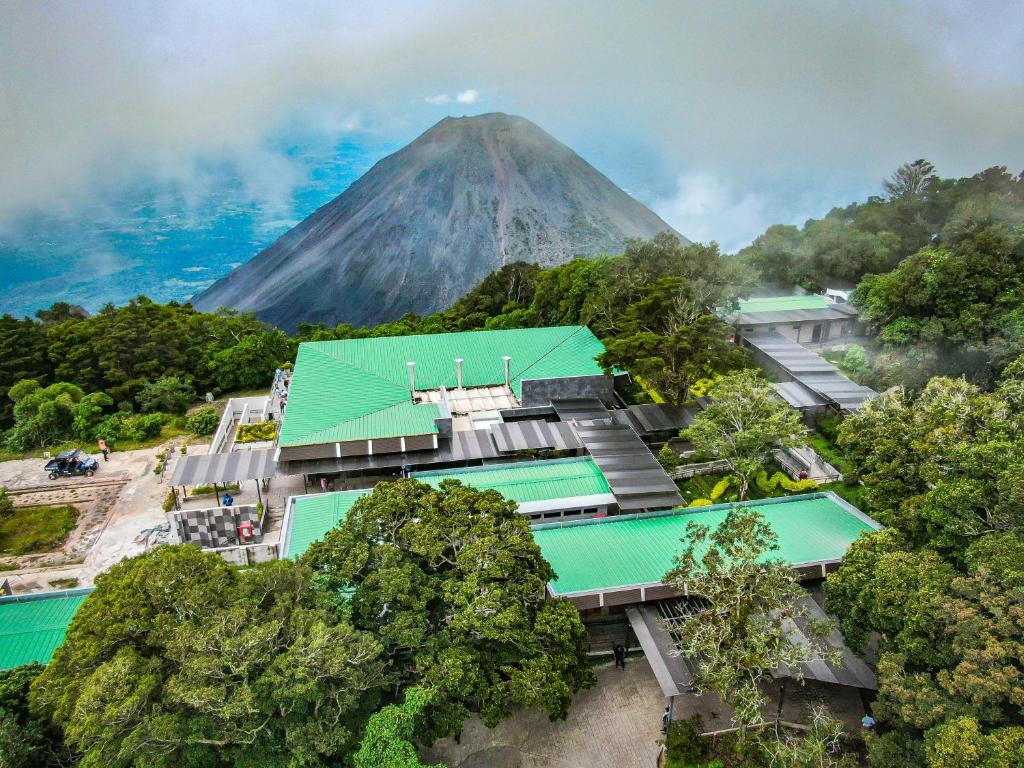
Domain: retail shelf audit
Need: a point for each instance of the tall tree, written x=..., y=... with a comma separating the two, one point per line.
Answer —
x=177, y=659
x=909, y=180
x=453, y=584
x=744, y=422
x=738, y=638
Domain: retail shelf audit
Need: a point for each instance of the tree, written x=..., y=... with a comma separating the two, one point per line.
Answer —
x=168, y=394
x=670, y=337
x=453, y=584
x=909, y=180
x=668, y=458
x=950, y=309
x=943, y=467
x=178, y=659
x=962, y=744
x=819, y=747
x=42, y=417
x=387, y=742
x=744, y=422
x=252, y=361
x=89, y=412
x=26, y=740
x=737, y=635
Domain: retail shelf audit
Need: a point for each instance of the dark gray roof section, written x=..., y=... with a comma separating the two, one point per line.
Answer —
x=851, y=671
x=653, y=623
x=672, y=671
x=811, y=370
x=582, y=409
x=649, y=418
x=224, y=467
x=465, y=445
x=633, y=473
x=782, y=317
x=799, y=396
x=534, y=433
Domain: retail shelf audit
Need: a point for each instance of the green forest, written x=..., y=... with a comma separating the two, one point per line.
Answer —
x=424, y=607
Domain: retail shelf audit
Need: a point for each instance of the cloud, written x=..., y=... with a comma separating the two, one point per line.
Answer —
x=705, y=206
x=468, y=96
x=784, y=101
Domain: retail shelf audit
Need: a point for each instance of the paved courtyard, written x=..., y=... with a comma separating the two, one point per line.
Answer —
x=615, y=724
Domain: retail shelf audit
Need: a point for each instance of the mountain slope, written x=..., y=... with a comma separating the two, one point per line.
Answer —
x=427, y=223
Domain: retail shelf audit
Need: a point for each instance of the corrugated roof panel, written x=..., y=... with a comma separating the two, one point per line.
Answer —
x=783, y=303
x=529, y=481
x=350, y=382
x=313, y=516
x=32, y=627
x=612, y=553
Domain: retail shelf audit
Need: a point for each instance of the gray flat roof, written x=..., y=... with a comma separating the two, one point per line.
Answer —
x=224, y=467
x=833, y=312
x=811, y=371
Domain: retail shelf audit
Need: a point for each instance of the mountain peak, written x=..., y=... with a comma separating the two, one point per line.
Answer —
x=427, y=223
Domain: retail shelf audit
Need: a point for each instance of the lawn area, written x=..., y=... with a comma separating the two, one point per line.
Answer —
x=36, y=529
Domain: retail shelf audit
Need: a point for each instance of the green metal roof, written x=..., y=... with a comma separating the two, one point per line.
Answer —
x=358, y=389
x=783, y=303
x=529, y=480
x=32, y=627
x=621, y=551
x=313, y=516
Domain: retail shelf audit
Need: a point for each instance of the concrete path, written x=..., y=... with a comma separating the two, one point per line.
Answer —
x=615, y=724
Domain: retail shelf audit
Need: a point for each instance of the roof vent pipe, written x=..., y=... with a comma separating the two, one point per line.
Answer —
x=458, y=371
x=412, y=379
x=508, y=381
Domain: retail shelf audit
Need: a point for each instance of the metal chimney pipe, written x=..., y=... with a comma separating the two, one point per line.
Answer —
x=458, y=371
x=508, y=380
x=412, y=379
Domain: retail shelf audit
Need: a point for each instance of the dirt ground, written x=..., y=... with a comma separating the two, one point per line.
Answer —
x=116, y=505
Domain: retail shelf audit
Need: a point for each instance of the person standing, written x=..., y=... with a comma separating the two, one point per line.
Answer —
x=620, y=656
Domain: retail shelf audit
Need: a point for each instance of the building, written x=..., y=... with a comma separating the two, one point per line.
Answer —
x=783, y=334
x=808, y=320
x=636, y=551
x=371, y=404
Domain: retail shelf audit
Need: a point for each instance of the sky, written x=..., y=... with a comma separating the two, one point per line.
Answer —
x=725, y=117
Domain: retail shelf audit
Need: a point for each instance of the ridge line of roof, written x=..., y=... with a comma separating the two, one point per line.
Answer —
x=579, y=328
x=355, y=418
x=359, y=368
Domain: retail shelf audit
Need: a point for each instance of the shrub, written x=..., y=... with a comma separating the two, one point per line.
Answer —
x=769, y=484
x=254, y=433
x=169, y=501
x=204, y=421
x=668, y=458
x=6, y=505
x=683, y=744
